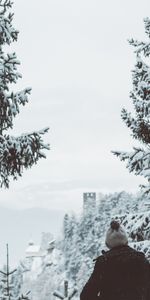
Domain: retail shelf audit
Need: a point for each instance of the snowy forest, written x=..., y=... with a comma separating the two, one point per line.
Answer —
x=59, y=268
x=42, y=274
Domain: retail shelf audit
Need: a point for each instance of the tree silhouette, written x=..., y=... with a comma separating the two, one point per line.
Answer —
x=138, y=160
x=16, y=153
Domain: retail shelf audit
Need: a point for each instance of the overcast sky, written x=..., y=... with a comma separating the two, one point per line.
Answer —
x=76, y=58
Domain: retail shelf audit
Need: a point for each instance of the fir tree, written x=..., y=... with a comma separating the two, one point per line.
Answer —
x=16, y=153
x=7, y=287
x=138, y=160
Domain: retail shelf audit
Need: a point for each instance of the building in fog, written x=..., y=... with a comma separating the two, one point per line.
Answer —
x=89, y=201
x=33, y=250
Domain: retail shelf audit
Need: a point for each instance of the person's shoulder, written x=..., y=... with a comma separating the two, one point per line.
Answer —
x=136, y=252
x=101, y=258
x=138, y=255
x=121, y=253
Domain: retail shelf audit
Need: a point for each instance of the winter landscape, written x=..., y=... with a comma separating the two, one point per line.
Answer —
x=63, y=176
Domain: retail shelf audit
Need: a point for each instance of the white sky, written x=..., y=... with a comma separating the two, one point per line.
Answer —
x=75, y=56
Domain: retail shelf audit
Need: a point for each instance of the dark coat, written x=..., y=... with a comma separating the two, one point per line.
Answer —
x=121, y=273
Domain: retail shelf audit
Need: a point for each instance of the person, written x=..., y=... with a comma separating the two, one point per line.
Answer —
x=121, y=273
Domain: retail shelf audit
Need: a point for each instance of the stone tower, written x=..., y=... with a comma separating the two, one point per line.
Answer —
x=89, y=201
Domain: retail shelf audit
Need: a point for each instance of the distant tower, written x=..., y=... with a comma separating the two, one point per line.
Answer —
x=89, y=201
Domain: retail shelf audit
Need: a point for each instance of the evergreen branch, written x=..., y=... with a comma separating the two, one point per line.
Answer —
x=140, y=47
x=9, y=107
x=12, y=272
x=3, y=273
x=58, y=295
x=147, y=26
x=20, y=153
x=5, y=5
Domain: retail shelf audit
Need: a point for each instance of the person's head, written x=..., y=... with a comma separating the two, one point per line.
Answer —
x=116, y=235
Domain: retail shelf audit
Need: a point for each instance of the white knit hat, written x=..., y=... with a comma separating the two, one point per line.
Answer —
x=116, y=235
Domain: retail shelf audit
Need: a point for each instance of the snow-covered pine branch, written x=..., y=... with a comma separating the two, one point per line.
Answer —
x=16, y=153
x=8, y=33
x=138, y=161
x=9, y=107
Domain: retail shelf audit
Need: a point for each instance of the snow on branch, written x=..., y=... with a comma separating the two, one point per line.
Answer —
x=137, y=225
x=20, y=153
x=8, y=70
x=147, y=26
x=9, y=107
x=138, y=161
x=140, y=47
x=8, y=33
x=5, y=4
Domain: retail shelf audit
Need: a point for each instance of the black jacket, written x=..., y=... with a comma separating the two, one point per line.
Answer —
x=121, y=273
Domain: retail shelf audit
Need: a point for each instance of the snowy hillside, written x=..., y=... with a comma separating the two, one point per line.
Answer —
x=47, y=266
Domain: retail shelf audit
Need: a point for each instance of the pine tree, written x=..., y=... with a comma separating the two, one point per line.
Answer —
x=16, y=153
x=138, y=160
x=7, y=287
